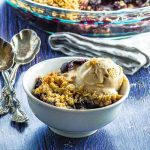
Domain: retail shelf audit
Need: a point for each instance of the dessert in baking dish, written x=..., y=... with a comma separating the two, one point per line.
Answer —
x=95, y=5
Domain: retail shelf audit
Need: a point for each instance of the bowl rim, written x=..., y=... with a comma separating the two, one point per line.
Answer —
x=66, y=109
x=126, y=10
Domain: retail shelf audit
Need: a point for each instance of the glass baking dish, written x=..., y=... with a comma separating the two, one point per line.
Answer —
x=122, y=22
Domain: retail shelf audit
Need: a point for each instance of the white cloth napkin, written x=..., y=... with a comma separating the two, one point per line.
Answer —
x=130, y=53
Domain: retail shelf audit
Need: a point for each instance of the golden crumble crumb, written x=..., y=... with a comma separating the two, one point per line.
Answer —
x=57, y=90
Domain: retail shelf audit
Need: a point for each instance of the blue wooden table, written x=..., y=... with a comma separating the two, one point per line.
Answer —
x=130, y=131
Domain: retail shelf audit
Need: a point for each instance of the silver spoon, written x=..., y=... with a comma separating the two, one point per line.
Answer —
x=26, y=44
x=6, y=62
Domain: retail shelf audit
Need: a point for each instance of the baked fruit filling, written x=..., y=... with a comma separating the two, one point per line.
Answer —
x=95, y=5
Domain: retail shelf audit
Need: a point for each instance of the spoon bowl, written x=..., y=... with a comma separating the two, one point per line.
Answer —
x=6, y=55
x=26, y=44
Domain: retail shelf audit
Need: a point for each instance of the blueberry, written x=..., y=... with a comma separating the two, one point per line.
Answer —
x=51, y=103
x=38, y=96
x=79, y=62
x=90, y=104
x=67, y=66
x=38, y=83
x=78, y=105
x=64, y=67
x=86, y=104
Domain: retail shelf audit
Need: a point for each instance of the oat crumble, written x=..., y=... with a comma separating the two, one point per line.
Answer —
x=57, y=90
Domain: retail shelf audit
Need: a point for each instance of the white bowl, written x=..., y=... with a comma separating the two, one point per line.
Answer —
x=69, y=122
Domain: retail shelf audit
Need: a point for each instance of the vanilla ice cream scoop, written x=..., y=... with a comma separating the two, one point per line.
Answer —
x=100, y=75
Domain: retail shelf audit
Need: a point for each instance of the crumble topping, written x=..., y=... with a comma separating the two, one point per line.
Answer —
x=59, y=91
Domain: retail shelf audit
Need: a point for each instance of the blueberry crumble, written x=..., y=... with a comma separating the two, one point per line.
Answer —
x=95, y=5
x=81, y=84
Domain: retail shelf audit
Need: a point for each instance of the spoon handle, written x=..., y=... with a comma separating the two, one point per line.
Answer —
x=13, y=73
x=18, y=115
x=11, y=89
x=6, y=89
x=7, y=82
